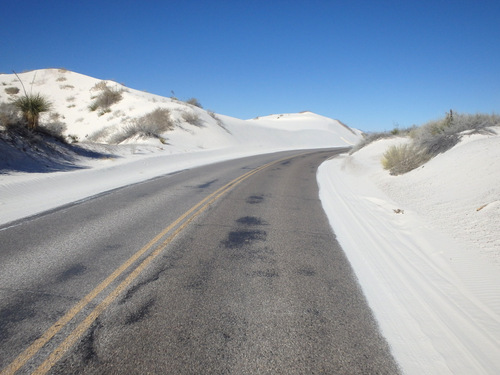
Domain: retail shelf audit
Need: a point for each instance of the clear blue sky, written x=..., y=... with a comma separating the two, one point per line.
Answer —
x=371, y=64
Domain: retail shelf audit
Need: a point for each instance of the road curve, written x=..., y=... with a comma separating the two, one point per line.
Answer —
x=250, y=281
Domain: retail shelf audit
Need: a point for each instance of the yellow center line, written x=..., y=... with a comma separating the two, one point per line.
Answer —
x=196, y=210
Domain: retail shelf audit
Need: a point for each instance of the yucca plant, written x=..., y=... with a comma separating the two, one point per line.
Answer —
x=31, y=106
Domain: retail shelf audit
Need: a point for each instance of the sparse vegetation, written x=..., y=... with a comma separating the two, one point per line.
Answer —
x=12, y=90
x=16, y=125
x=8, y=115
x=31, y=106
x=192, y=118
x=195, y=102
x=439, y=136
x=104, y=111
x=61, y=79
x=151, y=125
x=66, y=87
x=403, y=158
x=100, y=134
x=429, y=140
x=106, y=98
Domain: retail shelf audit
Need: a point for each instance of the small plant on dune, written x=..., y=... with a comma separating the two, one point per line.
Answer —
x=12, y=90
x=430, y=139
x=8, y=115
x=195, y=102
x=106, y=98
x=403, y=158
x=151, y=125
x=192, y=118
x=31, y=106
x=100, y=134
x=440, y=135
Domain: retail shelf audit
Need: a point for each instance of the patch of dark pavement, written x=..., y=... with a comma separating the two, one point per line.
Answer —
x=306, y=271
x=71, y=272
x=239, y=238
x=141, y=313
x=271, y=273
x=255, y=199
x=251, y=220
x=206, y=184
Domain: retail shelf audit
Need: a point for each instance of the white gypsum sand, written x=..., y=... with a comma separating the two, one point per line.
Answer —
x=426, y=257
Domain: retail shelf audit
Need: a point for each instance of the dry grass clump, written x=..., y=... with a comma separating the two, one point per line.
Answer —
x=435, y=137
x=438, y=136
x=15, y=123
x=8, y=115
x=192, y=118
x=12, y=90
x=429, y=140
x=106, y=98
x=195, y=102
x=151, y=125
x=403, y=158
x=99, y=135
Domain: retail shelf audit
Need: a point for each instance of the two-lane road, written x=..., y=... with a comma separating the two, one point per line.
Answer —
x=227, y=269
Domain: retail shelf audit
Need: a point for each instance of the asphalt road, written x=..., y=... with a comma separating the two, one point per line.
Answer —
x=248, y=280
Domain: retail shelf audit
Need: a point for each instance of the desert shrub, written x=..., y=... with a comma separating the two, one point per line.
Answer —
x=151, y=125
x=106, y=98
x=104, y=111
x=192, y=118
x=12, y=90
x=473, y=122
x=100, y=134
x=403, y=158
x=435, y=143
x=61, y=79
x=8, y=115
x=66, y=87
x=375, y=136
x=440, y=135
x=100, y=86
x=31, y=106
x=195, y=102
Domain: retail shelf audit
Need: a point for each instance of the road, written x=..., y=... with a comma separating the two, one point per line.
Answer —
x=227, y=269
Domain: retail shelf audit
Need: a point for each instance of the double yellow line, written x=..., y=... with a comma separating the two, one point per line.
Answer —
x=174, y=229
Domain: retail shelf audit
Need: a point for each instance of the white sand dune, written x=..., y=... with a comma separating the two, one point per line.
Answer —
x=431, y=272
